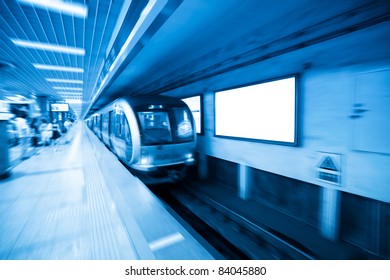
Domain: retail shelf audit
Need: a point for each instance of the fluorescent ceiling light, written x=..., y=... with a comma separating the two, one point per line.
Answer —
x=118, y=25
x=68, y=88
x=48, y=47
x=16, y=97
x=148, y=15
x=64, y=81
x=137, y=26
x=70, y=93
x=73, y=9
x=73, y=101
x=58, y=68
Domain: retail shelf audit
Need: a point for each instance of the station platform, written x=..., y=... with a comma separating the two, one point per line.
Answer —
x=77, y=201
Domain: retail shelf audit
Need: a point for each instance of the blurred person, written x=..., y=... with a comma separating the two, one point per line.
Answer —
x=49, y=132
x=23, y=132
x=13, y=138
x=46, y=132
x=35, y=133
x=67, y=125
x=56, y=132
x=67, y=128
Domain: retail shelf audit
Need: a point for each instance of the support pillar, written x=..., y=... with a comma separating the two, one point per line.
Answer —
x=44, y=106
x=330, y=214
x=202, y=166
x=244, y=181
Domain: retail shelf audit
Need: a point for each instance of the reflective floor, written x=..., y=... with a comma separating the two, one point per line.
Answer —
x=60, y=204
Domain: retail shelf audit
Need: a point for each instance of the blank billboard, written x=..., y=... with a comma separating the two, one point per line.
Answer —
x=264, y=111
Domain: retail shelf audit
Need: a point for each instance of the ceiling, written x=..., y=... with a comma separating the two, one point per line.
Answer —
x=140, y=47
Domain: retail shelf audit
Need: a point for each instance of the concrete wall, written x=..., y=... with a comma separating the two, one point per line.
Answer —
x=330, y=76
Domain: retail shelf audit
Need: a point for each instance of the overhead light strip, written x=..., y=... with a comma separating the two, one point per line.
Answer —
x=70, y=93
x=73, y=101
x=98, y=37
x=118, y=25
x=58, y=68
x=23, y=56
x=145, y=13
x=68, y=88
x=150, y=12
x=64, y=81
x=48, y=47
x=72, y=9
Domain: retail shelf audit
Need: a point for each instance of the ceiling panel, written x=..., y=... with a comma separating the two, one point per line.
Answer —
x=140, y=47
x=39, y=24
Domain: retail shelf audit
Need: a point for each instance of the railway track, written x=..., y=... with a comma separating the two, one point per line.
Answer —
x=233, y=235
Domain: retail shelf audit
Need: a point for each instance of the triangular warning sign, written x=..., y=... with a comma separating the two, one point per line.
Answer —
x=328, y=164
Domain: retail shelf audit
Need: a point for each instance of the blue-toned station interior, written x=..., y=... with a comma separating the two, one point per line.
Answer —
x=194, y=129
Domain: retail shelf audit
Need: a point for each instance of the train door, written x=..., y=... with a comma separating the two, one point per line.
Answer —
x=111, y=129
x=105, y=127
x=118, y=138
x=99, y=126
x=127, y=138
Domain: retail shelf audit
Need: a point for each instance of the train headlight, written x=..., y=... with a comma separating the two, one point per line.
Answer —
x=145, y=158
x=189, y=155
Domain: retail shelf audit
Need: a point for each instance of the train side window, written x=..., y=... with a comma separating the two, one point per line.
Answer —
x=99, y=122
x=118, y=123
x=126, y=132
x=105, y=122
x=112, y=122
x=122, y=125
x=117, y=126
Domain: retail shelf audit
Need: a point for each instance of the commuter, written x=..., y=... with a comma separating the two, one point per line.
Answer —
x=67, y=129
x=67, y=125
x=49, y=132
x=23, y=132
x=46, y=132
x=35, y=134
x=56, y=132
x=13, y=139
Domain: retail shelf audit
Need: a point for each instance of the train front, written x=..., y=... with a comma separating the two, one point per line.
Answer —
x=168, y=141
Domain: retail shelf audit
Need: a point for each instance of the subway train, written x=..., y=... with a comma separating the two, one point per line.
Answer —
x=154, y=136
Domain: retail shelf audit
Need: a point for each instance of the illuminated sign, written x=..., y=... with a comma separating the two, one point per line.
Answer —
x=265, y=112
x=59, y=107
x=4, y=107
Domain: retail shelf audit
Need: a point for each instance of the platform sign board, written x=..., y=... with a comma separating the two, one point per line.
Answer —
x=4, y=107
x=59, y=107
x=328, y=168
x=5, y=112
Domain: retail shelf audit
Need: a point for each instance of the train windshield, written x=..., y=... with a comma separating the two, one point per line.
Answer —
x=156, y=128
x=161, y=127
x=184, y=130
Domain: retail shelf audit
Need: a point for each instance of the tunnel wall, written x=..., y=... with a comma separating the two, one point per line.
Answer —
x=329, y=74
x=332, y=84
